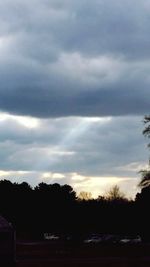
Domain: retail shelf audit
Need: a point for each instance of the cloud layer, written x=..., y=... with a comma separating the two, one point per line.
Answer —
x=67, y=58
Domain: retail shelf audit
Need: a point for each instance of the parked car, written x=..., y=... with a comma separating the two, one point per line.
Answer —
x=49, y=236
x=131, y=240
x=93, y=239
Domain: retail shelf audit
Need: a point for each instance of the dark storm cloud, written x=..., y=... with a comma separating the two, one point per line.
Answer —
x=62, y=58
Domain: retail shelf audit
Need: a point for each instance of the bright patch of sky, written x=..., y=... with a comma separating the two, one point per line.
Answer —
x=28, y=122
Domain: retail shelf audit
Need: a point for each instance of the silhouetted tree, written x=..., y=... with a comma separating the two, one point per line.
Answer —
x=142, y=202
x=83, y=195
x=55, y=208
x=115, y=194
x=143, y=198
x=146, y=131
x=145, y=179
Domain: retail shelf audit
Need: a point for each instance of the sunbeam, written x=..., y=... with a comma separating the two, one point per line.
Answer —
x=65, y=146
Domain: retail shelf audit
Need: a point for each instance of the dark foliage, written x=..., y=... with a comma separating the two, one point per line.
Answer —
x=142, y=205
x=54, y=208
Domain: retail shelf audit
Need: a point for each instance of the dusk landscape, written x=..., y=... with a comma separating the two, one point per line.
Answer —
x=74, y=133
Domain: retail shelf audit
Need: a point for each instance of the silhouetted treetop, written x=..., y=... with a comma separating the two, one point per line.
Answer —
x=83, y=195
x=146, y=131
x=145, y=180
x=115, y=194
x=42, y=187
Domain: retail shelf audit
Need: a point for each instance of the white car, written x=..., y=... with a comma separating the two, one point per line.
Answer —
x=93, y=240
x=48, y=236
x=135, y=240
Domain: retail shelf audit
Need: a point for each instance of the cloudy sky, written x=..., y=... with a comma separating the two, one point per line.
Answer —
x=74, y=88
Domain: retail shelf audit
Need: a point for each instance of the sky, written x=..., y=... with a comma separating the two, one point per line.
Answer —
x=74, y=90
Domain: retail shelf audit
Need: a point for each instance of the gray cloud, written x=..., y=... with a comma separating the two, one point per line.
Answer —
x=71, y=58
x=104, y=147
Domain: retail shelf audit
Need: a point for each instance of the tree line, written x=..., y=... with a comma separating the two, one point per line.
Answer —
x=55, y=208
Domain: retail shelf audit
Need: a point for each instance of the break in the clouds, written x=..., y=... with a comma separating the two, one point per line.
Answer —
x=74, y=87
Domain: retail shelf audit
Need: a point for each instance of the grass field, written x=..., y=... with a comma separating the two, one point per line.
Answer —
x=71, y=255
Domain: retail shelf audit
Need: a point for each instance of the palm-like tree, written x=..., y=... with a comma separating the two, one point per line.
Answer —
x=145, y=181
x=146, y=131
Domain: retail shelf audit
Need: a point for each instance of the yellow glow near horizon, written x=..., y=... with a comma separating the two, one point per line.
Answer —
x=100, y=185
x=4, y=173
x=96, y=185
